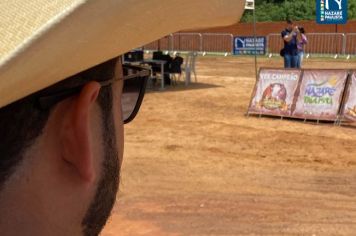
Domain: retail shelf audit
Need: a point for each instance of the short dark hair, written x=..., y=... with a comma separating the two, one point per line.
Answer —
x=22, y=122
x=289, y=22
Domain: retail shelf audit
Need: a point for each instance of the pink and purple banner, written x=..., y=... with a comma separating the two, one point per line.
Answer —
x=320, y=94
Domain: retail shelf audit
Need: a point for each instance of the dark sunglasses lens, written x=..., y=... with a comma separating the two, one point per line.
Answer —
x=130, y=97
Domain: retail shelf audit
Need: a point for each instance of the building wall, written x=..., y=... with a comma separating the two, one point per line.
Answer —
x=265, y=28
x=321, y=44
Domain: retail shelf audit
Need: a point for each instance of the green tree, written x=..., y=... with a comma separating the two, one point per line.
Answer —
x=280, y=10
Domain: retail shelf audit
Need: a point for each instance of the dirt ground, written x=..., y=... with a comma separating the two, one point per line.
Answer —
x=194, y=164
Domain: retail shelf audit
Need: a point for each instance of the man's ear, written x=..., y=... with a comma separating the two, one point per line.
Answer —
x=76, y=144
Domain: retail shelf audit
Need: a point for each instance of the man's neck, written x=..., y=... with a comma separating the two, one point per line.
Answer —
x=24, y=211
x=21, y=216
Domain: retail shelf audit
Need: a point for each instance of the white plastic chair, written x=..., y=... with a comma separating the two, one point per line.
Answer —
x=189, y=67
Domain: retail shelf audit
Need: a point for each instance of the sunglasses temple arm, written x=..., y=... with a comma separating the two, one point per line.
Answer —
x=47, y=102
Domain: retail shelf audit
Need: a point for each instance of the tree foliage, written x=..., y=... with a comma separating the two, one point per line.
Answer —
x=280, y=10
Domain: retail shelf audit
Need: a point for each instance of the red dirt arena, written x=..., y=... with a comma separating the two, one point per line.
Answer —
x=194, y=164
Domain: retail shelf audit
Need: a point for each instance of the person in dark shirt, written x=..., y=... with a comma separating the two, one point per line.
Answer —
x=289, y=36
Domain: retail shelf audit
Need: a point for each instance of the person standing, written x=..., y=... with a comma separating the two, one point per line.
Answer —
x=290, y=50
x=301, y=42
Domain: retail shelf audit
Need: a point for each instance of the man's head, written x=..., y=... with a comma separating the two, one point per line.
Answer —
x=59, y=167
x=290, y=25
x=61, y=145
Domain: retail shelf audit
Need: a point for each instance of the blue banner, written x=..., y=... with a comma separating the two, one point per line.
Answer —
x=331, y=11
x=246, y=46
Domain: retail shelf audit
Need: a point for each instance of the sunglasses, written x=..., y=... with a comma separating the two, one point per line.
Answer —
x=134, y=79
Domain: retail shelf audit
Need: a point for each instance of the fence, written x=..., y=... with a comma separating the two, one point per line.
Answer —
x=208, y=42
x=217, y=43
x=161, y=44
x=187, y=42
x=318, y=43
x=322, y=44
x=350, y=44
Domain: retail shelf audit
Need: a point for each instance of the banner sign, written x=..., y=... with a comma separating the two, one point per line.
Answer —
x=349, y=111
x=250, y=4
x=246, y=46
x=320, y=94
x=331, y=11
x=274, y=92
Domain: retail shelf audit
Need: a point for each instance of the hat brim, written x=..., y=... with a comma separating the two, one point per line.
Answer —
x=85, y=33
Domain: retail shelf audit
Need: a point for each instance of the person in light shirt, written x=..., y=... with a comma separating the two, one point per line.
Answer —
x=302, y=41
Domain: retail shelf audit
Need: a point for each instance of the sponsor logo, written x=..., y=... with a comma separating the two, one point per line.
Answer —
x=249, y=45
x=274, y=97
x=320, y=93
x=332, y=11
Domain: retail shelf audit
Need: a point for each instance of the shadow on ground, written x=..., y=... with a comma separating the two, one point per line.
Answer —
x=180, y=87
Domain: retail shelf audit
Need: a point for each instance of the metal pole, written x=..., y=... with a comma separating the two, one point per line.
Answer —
x=343, y=44
x=255, y=39
x=201, y=42
x=232, y=44
x=171, y=47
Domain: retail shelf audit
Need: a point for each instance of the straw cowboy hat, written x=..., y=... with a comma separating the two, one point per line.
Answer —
x=43, y=41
